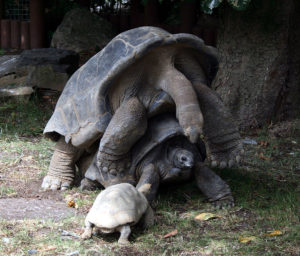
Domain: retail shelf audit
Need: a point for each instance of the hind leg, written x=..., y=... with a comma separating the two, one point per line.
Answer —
x=125, y=232
x=61, y=171
x=125, y=128
x=221, y=135
x=222, y=138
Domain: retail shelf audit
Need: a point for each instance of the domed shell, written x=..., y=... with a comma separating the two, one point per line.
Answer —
x=160, y=129
x=83, y=111
x=118, y=205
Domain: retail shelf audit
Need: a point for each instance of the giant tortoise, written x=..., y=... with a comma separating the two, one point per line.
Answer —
x=142, y=72
x=164, y=155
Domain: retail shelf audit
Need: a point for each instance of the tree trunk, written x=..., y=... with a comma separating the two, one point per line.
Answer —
x=258, y=54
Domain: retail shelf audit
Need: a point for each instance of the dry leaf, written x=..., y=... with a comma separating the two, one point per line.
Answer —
x=274, y=233
x=172, y=233
x=71, y=203
x=261, y=156
x=246, y=239
x=206, y=216
x=263, y=143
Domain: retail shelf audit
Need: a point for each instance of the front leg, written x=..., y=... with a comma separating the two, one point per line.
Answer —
x=222, y=138
x=149, y=182
x=217, y=190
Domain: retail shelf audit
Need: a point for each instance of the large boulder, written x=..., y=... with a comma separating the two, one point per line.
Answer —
x=47, y=68
x=82, y=31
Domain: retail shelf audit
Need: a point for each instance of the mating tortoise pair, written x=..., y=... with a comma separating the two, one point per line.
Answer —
x=110, y=102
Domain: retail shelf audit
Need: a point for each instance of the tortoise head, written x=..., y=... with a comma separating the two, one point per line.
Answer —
x=182, y=158
x=182, y=162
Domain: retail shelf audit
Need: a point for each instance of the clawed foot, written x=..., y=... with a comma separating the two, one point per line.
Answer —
x=225, y=202
x=114, y=166
x=56, y=183
x=89, y=185
x=225, y=154
x=123, y=241
x=86, y=235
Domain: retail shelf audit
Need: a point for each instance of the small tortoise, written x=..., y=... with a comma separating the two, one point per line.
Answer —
x=116, y=209
x=141, y=73
x=164, y=155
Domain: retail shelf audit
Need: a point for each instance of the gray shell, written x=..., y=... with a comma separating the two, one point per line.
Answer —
x=82, y=112
x=117, y=205
x=160, y=129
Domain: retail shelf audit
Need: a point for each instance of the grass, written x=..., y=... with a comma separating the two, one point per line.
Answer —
x=266, y=188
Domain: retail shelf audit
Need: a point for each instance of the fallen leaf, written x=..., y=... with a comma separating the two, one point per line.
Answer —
x=172, y=233
x=246, y=239
x=71, y=203
x=206, y=216
x=274, y=233
x=261, y=156
x=263, y=143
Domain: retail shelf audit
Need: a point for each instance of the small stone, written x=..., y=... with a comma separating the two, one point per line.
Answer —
x=6, y=240
x=249, y=141
x=32, y=251
x=105, y=169
x=73, y=253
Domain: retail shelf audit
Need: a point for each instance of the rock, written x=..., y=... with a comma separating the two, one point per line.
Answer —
x=32, y=251
x=30, y=208
x=47, y=68
x=46, y=77
x=249, y=141
x=61, y=61
x=7, y=64
x=6, y=240
x=18, y=91
x=73, y=253
x=82, y=31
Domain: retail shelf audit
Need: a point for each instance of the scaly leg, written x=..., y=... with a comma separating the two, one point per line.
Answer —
x=125, y=128
x=221, y=135
x=61, y=171
x=125, y=232
x=148, y=182
x=188, y=111
x=88, y=230
x=212, y=186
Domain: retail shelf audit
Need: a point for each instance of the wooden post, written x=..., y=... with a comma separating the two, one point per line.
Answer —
x=15, y=34
x=5, y=34
x=25, y=36
x=37, y=23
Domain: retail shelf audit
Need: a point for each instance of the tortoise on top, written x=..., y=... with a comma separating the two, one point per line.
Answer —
x=140, y=73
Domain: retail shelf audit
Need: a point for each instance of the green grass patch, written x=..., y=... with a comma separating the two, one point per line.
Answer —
x=23, y=118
